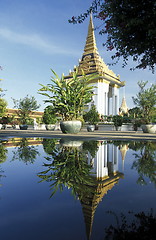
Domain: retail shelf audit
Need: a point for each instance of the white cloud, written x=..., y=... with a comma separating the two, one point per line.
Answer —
x=36, y=41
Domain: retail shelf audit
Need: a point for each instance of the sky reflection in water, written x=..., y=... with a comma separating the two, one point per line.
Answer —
x=61, y=189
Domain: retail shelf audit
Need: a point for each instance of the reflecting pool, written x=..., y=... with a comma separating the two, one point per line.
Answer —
x=74, y=190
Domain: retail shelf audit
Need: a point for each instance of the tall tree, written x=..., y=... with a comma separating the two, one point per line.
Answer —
x=3, y=103
x=130, y=27
x=145, y=100
x=25, y=106
x=3, y=107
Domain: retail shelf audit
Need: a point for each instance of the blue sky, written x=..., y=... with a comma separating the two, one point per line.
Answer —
x=35, y=36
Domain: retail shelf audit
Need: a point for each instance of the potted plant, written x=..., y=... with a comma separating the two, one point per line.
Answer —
x=118, y=120
x=146, y=101
x=49, y=118
x=92, y=117
x=4, y=121
x=136, y=123
x=68, y=98
x=25, y=107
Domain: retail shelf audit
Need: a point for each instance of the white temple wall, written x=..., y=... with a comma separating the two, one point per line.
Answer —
x=106, y=157
x=100, y=168
x=106, y=99
x=95, y=97
x=100, y=99
x=115, y=101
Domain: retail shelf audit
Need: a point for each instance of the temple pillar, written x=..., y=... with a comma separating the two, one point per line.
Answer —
x=100, y=168
x=115, y=101
x=106, y=91
x=106, y=103
x=115, y=159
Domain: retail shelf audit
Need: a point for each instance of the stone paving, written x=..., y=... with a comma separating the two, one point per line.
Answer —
x=127, y=135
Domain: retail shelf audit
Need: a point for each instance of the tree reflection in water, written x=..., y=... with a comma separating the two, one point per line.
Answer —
x=67, y=166
x=25, y=152
x=3, y=151
x=142, y=227
x=145, y=162
x=3, y=157
x=145, y=159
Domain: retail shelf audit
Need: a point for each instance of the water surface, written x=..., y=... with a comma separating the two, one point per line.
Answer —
x=61, y=189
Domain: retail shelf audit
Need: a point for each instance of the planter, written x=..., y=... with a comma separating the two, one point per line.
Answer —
x=69, y=143
x=70, y=126
x=96, y=127
x=149, y=128
x=23, y=127
x=117, y=128
x=50, y=127
x=90, y=128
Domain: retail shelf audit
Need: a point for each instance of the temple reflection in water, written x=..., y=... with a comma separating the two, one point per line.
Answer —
x=105, y=176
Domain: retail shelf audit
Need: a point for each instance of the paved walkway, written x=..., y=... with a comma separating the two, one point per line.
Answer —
x=131, y=135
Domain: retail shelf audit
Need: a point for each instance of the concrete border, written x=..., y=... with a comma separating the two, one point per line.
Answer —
x=100, y=135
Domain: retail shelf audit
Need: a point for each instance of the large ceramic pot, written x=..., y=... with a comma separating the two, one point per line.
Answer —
x=50, y=127
x=23, y=127
x=149, y=128
x=90, y=128
x=69, y=143
x=70, y=126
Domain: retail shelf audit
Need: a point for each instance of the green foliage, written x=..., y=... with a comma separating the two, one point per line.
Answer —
x=153, y=115
x=25, y=106
x=49, y=117
x=3, y=102
x=137, y=123
x=3, y=107
x=49, y=145
x=145, y=100
x=145, y=163
x=6, y=120
x=126, y=119
x=118, y=120
x=69, y=96
x=67, y=167
x=91, y=147
x=92, y=116
x=142, y=226
x=1, y=90
x=135, y=112
x=24, y=152
x=3, y=152
x=129, y=27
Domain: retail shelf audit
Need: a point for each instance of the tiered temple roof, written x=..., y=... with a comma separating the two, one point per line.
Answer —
x=91, y=62
x=91, y=201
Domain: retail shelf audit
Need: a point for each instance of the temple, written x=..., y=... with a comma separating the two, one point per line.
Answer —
x=107, y=85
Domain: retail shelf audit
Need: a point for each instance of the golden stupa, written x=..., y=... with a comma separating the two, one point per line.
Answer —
x=91, y=62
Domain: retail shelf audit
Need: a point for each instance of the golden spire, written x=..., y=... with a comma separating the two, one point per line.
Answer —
x=123, y=108
x=91, y=62
x=95, y=193
x=90, y=46
x=123, y=149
